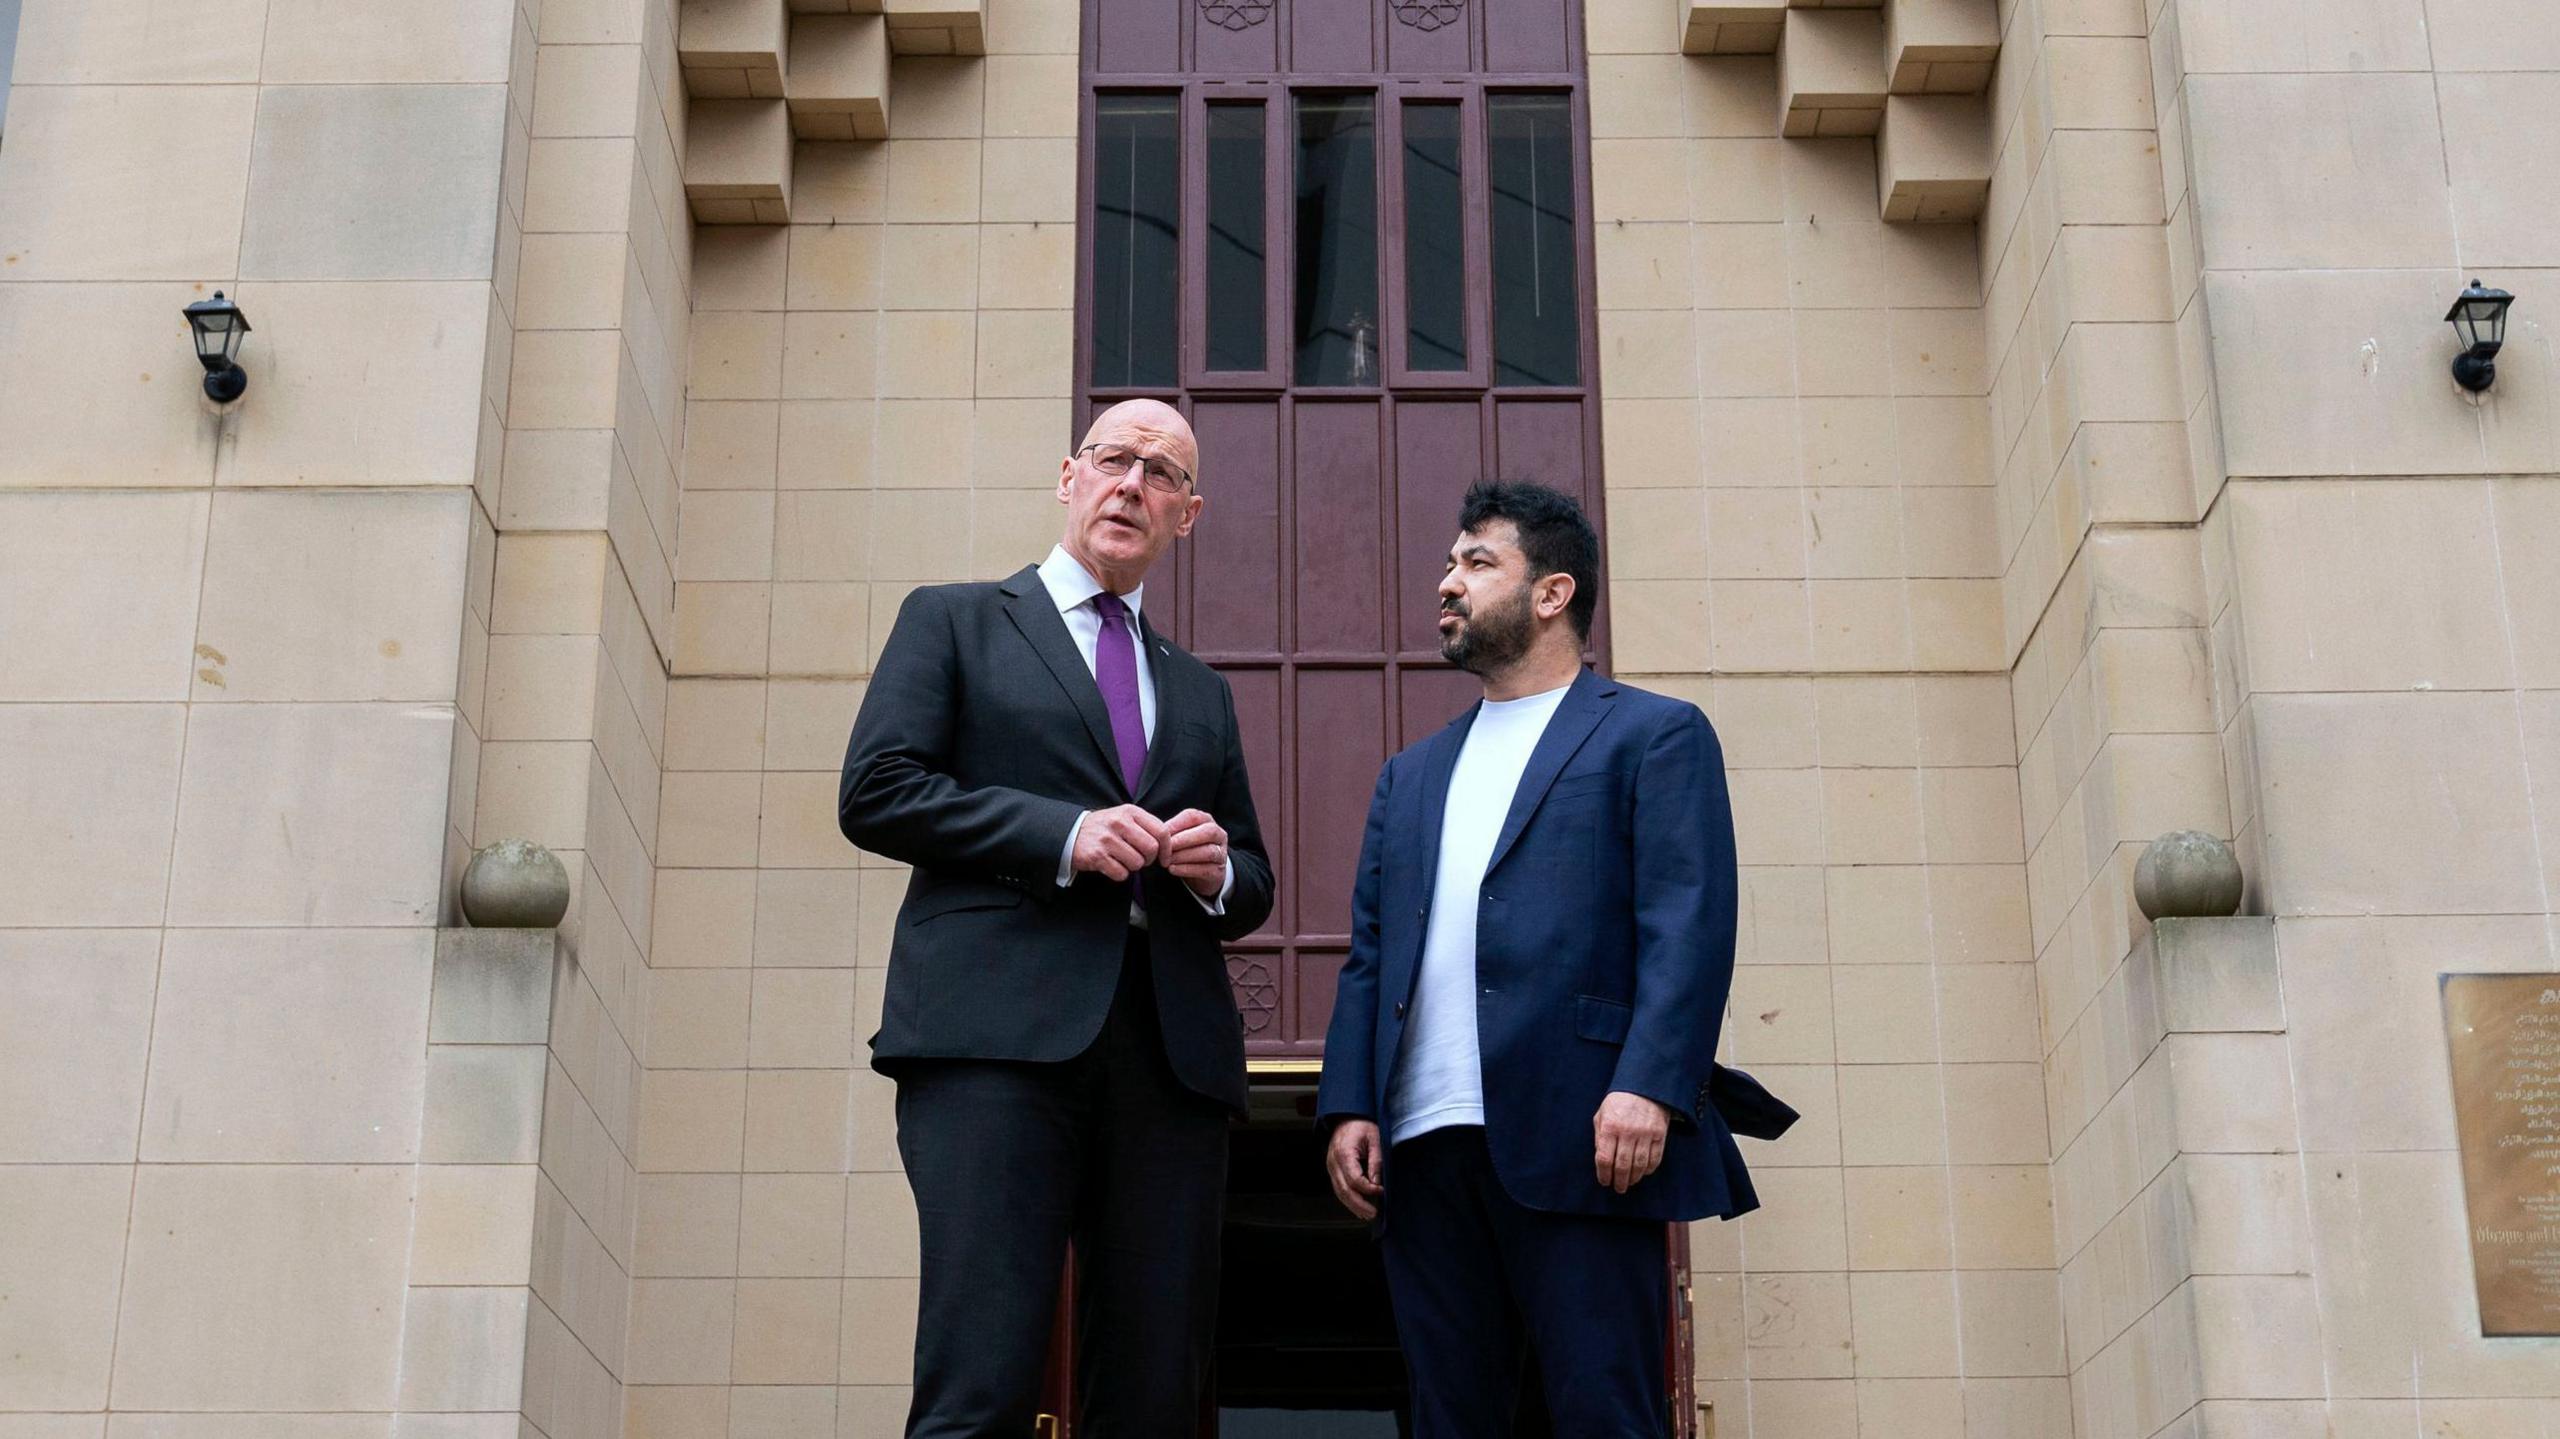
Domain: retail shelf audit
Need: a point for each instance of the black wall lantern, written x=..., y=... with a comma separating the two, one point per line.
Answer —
x=2479, y=316
x=218, y=326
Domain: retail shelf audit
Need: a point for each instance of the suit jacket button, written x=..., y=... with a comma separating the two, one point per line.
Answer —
x=1399, y=1009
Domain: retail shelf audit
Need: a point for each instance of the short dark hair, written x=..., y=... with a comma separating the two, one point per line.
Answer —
x=1554, y=533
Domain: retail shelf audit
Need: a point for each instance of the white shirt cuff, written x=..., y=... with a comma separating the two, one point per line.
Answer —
x=1067, y=856
x=1219, y=905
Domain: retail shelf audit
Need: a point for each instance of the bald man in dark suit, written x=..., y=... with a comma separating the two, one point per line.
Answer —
x=1070, y=789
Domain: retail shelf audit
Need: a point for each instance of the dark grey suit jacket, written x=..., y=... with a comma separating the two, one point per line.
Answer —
x=981, y=738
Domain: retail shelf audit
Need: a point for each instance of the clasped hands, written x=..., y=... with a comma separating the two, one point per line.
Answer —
x=1627, y=1136
x=1117, y=843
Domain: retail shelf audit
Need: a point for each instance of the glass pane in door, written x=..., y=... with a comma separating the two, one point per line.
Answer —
x=1235, y=238
x=1537, y=316
x=1137, y=152
x=1435, y=248
x=1337, y=240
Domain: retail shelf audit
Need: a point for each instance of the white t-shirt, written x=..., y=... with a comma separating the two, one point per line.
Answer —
x=1439, y=1073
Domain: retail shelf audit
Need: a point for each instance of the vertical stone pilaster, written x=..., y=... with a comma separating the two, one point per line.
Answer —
x=2179, y=1186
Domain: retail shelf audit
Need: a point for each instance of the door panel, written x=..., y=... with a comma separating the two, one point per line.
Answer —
x=1339, y=607
x=1439, y=452
x=1331, y=36
x=1342, y=730
x=1527, y=36
x=1316, y=972
x=1544, y=440
x=1237, y=615
x=1311, y=582
x=1136, y=36
x=1236, y=37
x=1432, y=697
x=1258, y=715
x=1446, y=48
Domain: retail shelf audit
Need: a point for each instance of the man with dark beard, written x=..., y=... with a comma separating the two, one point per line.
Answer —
x=1520, y=1077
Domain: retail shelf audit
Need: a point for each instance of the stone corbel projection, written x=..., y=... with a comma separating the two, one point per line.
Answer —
x=1912, y=73
x=766, y=74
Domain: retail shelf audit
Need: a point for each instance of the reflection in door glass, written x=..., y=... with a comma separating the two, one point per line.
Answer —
x=1536, y=314
x=1235, y=238
x=1337, y=234
x=1435, y=255
x=1136, y=201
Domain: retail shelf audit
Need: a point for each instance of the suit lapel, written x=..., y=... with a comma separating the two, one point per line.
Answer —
x=1437, y=765
x=1581, y=711
x=1173, y=701
x=1439, y=760
x=1033, y=613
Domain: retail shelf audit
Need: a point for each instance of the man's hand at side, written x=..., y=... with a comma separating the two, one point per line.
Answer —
x=1355, y=1159
x=1116, y=843
x=1195, y=851
x=1627, y=1137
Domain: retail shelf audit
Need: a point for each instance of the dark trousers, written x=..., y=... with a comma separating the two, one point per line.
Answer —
x=1476, y=1278
x=1011, y=1161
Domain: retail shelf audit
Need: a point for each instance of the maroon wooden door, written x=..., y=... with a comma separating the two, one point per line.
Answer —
x=1351, y=239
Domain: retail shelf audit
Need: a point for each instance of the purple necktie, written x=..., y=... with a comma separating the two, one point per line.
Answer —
x=1115, y=668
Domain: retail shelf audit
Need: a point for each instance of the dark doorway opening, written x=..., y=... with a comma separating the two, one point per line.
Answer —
x=1306, y=1345
x=1306, y=1339
x=1306, y=1342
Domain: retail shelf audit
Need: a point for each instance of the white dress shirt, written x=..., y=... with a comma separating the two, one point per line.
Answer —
x=1072, y=587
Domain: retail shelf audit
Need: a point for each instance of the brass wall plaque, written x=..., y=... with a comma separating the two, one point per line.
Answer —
x=2504, y=1032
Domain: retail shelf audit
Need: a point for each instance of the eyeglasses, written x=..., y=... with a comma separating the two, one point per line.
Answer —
x=1115, y=461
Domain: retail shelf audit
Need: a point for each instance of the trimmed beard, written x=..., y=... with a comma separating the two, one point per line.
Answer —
x=1494, y=640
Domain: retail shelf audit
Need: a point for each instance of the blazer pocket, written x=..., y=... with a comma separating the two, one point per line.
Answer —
x=1581, y=786
x=952, y=898
x=1605, y=1020
x=1200, y=747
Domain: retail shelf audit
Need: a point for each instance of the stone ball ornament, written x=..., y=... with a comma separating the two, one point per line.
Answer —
x=515, y=884
x=2187, y=874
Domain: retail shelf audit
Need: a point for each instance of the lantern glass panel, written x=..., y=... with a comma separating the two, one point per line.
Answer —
x=2479, y=317
x=217, y=325
x=2485, y=322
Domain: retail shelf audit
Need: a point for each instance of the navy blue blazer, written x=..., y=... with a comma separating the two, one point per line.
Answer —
x=1604, y=951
